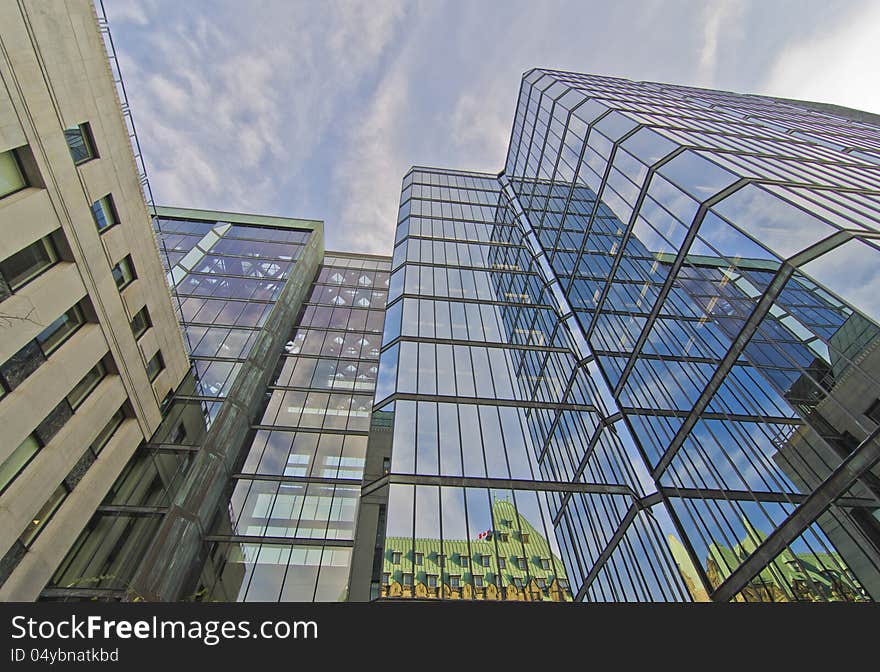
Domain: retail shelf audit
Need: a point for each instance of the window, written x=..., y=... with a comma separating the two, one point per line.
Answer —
x=419, y=558
x=517, y=582
x=545, y=563
x=563, y=583
x=464, y=560
x=502, y=563
x=51, y=338
x=155, y=366
x=407, y=579
x=432, y=580
x=484, y=560
x=81, y=143
x=18, y=460
x=28, y=263
x=86, y=385
x=504, y=536
x=12, y=177
x=386, y=578
x=454, y=581
x=873, y=411
x=521, y=563
x=478, y=580
x=123, y=273
x=141, y=322
x=39, y=521
x=104, y=212
x=104, y=437
x=441, y=559
x=524, y=536
x=395, y=557
x=542, y=582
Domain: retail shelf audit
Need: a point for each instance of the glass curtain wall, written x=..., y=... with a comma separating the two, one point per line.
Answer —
x=288, y=530
x=686, y=404
x=717, y=251
x=227, y=278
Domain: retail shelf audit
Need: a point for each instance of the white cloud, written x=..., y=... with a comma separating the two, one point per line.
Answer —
x=718, y=18
x=837, y=66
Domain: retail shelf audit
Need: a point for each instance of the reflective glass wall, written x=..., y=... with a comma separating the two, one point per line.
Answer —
x=709, y=262
x=226, y=278
x=287, y=531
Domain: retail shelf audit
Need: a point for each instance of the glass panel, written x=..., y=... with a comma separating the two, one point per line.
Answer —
x=11, y=177
x=86, y=385
x=13, y=464
x=28, y=263
x=39, y=521
x=79, y=142
x=60, y=330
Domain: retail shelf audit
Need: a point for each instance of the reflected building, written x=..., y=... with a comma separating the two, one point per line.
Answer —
x=513, y=563
x=655, y=331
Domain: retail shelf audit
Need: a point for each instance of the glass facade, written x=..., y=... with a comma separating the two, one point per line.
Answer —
x=287, y=531
x=654, y=337
x=226, y=278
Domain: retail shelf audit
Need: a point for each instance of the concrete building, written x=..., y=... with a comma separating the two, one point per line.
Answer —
x=89, y=343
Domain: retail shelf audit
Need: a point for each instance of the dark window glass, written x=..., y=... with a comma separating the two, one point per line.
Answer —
x=155, y=366
x=104, y=213
x=28, y=263
x=87, y=384
x=123, y=273
x=80, y=142
x=141, y=322
x=60, y=330
x=39, y=521
x=12, y=465
x=873, y=411
x=11, y=175
x=106, y=434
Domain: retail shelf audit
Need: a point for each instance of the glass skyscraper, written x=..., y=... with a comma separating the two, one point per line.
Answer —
x=651, y=342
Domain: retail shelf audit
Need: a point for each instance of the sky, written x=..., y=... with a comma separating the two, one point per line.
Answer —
x=317, y=109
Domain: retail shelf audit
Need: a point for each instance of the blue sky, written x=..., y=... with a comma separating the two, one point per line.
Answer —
x=317, y=109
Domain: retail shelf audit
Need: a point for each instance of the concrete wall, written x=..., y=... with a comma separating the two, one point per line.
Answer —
x=54, y=74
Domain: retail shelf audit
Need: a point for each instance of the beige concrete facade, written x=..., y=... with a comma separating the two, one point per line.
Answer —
x=54, y=74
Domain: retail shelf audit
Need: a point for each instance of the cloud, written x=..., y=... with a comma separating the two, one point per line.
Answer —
x=838, y=65
x=718, y=18
x=317, y=110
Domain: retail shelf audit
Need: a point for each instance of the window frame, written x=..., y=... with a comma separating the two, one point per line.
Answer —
x=36, y=526
x=128, y=263
x=16, y=161
x=160, y=360
x=108, y=207
x=39, y=446
x=106, y=434
x=89, y=387
x=88, y=141
x=78, y=311
x=48, y=246
x=148, y=322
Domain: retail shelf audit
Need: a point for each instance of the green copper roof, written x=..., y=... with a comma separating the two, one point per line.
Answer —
x=465, y=557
